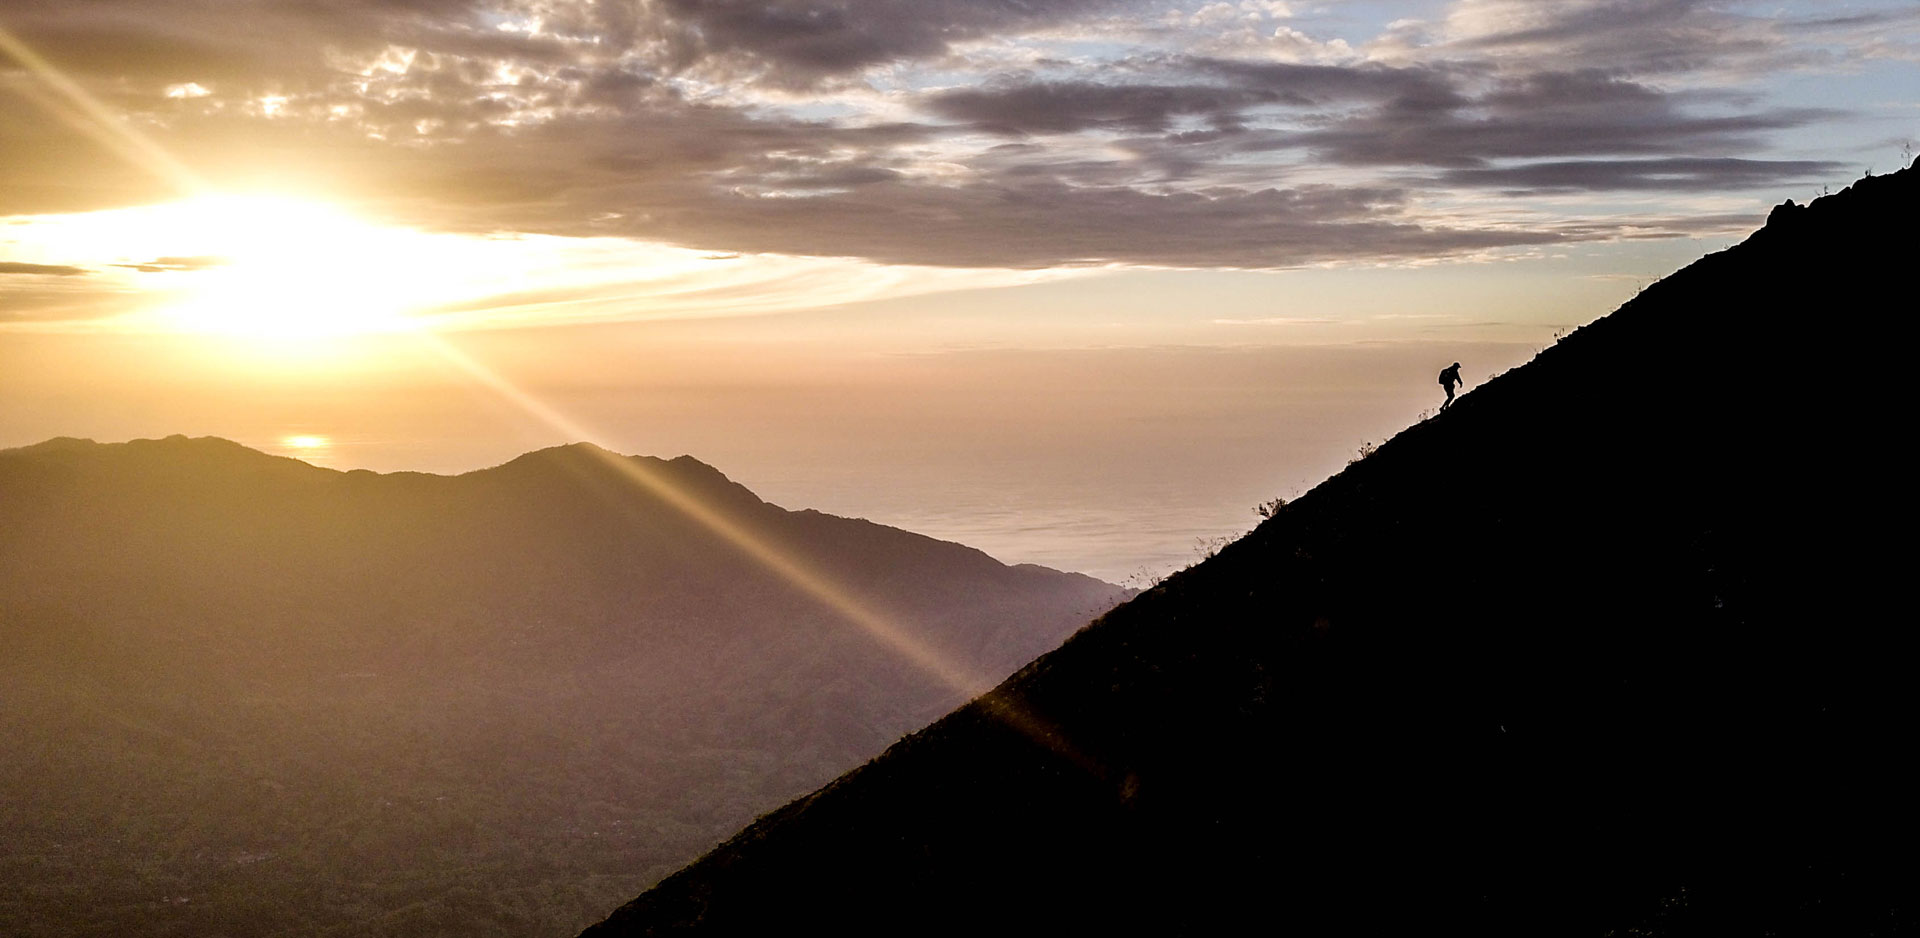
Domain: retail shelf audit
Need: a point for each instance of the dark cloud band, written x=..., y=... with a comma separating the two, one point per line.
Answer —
x=43, y=270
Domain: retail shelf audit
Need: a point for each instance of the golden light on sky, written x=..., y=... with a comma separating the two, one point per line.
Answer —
x=278, y=268
x=248, y=265
x=305, y=441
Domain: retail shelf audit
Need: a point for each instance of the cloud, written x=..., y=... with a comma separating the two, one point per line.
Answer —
x=173, y=264
x=1063, y=107
x=1280, y=321
x=1315, y=85
x=1678, y=174
x=802, y=42
x=995, y=133
x=45, y=270
x=1666, y=37
x=1044, y=223
x=1546, y=114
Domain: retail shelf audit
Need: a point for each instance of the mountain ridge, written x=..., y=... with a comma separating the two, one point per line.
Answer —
x=264, y=697
x=710, y=479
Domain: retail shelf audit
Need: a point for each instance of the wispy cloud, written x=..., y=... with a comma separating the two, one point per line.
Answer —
x=174, y=264
x=41, y=270
x=1278, y=321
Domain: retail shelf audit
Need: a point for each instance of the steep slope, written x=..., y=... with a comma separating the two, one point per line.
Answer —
x=1607, y=648
x=244, y=695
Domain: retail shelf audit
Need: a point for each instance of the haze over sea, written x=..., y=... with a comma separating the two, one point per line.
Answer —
x=1123, y=529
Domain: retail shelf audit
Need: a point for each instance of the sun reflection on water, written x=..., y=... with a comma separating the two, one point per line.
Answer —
x=307, y=446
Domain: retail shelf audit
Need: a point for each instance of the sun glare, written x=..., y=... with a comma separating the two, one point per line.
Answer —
x=277, y=267
x=280, y=273
x=262, y=266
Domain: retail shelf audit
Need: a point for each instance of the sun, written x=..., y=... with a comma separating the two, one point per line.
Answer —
x=287, y=268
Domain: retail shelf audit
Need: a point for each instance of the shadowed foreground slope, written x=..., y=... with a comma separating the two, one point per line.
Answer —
x=1610, y=645
x=242, y=695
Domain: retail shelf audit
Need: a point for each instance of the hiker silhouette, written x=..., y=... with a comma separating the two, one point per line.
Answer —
x=1449, y=377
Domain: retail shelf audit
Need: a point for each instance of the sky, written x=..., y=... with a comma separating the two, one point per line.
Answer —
x=1079, y=282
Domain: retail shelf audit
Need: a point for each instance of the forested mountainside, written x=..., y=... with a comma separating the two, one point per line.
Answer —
x=242, y=695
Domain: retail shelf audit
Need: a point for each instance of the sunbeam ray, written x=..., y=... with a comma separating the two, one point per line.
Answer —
x=66, y=100
x=793, y=569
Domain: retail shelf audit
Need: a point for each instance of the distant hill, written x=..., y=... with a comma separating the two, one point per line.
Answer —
x=242, y=695
x=1612, y=647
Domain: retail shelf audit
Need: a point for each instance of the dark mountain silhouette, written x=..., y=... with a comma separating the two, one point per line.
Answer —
x=1611, y=647
x=243, y=695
